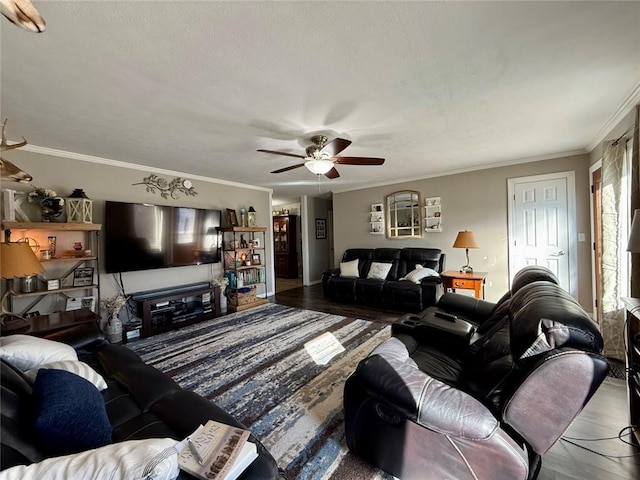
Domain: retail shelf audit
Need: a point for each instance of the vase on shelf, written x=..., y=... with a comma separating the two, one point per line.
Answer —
x=113, y=328
x=51, y=208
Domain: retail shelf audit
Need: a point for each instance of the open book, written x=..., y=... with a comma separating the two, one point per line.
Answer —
x=217, y=451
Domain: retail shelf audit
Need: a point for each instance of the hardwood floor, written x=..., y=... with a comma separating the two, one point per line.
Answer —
x=605, y=415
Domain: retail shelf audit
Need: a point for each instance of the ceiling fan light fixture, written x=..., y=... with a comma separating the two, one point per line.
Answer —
x=318, y=166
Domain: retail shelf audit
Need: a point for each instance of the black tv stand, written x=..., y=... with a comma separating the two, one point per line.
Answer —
x=176, y=307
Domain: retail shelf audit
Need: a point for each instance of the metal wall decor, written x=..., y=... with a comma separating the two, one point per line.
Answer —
x=168, y=188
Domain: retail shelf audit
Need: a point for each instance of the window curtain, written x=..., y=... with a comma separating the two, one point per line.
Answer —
x=634, y=204
x=614, y=253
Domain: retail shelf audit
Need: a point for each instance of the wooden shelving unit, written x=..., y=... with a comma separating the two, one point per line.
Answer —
x=13, y=231
x=243, y=258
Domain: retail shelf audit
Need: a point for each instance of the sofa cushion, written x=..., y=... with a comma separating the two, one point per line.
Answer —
x=420, y=272
x=155, y=458
x=378, y=271
x=349, y=269
x=26, y=352
x=70, y=415
x=77, y=367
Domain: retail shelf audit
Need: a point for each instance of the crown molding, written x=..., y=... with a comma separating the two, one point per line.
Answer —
x=132, y=166
x=622, y=111
x=539, y=158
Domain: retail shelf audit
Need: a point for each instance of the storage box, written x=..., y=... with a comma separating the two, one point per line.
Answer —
x=242, y=295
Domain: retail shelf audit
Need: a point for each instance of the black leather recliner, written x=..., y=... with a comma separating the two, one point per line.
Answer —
x=390, y=293
x=487, y=403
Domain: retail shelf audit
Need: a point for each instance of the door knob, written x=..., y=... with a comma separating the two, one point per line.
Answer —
x=558, y=254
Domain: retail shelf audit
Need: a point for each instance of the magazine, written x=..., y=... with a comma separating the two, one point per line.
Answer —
x=217, y=451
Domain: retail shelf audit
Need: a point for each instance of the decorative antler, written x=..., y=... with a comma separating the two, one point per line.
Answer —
x=23, y=14
x=3, y=144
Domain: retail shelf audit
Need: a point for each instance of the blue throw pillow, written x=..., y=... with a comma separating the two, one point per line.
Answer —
x=70, y=412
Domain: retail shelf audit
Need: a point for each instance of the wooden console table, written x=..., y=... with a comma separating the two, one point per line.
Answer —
x=452, y=279
x=44, y=324
x=633, y=362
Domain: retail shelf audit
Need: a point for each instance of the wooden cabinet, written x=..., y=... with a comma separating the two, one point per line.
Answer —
x=284, y=246
x=162, y=312
x=75, y=272
x=243, y=263
x=633, y=362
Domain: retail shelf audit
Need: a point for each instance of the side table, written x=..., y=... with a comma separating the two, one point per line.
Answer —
x=632, y=305
x=44, y=324
x=452, y=279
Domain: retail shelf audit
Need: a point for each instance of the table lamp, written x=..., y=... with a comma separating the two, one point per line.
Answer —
x=466, y=240
x=16, y=260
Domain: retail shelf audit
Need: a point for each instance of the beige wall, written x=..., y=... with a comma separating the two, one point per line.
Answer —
x=106, y=182
x=474, y=201
x=317, y=208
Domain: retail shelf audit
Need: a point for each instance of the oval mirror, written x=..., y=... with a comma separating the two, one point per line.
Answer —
x=403, y=214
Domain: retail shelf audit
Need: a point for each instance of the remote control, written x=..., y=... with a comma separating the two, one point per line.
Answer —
x=445, y=316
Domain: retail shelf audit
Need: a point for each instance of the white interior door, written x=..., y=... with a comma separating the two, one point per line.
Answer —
x=542, y=225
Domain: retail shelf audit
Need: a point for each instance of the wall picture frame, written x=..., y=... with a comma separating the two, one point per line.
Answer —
x=83, y=277
x=321, y=228
x=232, y=218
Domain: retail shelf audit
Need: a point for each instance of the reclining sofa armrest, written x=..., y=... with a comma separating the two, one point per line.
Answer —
x=465, y=306
x=81, y=337
x=421, y=398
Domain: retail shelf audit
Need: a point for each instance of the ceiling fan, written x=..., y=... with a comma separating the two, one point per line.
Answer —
x=321, y=157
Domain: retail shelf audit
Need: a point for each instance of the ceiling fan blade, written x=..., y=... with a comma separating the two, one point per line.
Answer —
x=358, y=160
x=336, y=145
x=286, y=169
x=282, y=153
x=333, y=173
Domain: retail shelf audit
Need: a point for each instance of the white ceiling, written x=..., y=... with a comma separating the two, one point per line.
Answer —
x=433, y=87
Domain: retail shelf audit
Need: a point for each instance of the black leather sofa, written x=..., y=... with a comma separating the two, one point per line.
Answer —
x=141, y=402
x=480, y=398
x=391, y=293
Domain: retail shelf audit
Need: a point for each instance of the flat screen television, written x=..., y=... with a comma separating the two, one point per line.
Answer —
x=142, y=236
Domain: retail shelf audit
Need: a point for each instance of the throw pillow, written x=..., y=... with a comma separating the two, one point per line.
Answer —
x=154, y=459
x=70, y=415
x=26, y=352
x=349, y=269
x=419, y=273
x=379, y=271
x=77, y=367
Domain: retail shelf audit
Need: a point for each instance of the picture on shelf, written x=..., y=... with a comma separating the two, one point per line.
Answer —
x=232, y=218
x=255, y=259
x=256, y=243
x=83, y=277
x=82, y=302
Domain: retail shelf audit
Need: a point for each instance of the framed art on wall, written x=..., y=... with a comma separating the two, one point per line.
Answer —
x=321, y=228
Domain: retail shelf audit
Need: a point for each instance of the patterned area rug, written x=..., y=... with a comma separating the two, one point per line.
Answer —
x=254, y=365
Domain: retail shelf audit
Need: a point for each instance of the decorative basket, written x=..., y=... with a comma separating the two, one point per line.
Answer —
x=242, y=295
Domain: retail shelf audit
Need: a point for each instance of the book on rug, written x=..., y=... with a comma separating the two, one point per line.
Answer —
x=217, y=451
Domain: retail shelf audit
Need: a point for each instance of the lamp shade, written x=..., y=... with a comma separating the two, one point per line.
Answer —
x=18, y=260
x=318, y=166
x=634, y=235
x=466, y=239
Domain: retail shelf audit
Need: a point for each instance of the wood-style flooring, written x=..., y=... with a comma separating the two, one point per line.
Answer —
x=605, y=415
